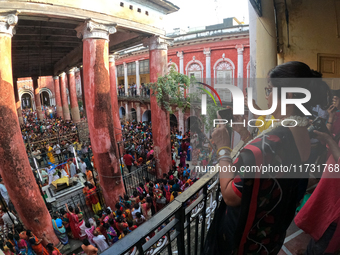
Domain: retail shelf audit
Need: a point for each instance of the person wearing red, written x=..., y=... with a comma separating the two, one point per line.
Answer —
x=128, y=160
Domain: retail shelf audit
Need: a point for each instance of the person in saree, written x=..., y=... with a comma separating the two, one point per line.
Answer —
x=50, y=154
x=24, y=236
x=59, y=229
x=255, y=212
x=74, y=222
x=37, y=247
x=92, y=195
x=22, y=245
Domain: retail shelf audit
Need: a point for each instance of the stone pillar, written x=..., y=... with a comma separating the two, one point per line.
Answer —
x=159, y=117
x=58, y=97
x=63, y=86
x=180, y=54
x=180, y=120
x=127, y=111
x=17, y=102
x=266, y=47
x=98, y=107
x=40, y=114
x=137, y=77
x=240, y=50
x=82, y=88
x=73, y=96
x=207, y=53
x=15, y=169
x=138, y=112
x=126, y=81
x=114, y=99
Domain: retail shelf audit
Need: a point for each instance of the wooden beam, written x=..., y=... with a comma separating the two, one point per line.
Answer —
x=70, y=60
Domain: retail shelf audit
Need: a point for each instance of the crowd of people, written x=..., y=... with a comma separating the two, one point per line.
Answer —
x=132, y=90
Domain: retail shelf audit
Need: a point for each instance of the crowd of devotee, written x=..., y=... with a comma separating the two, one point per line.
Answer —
x=62, y=158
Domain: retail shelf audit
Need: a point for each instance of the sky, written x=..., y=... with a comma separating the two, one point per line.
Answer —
x=196, y=13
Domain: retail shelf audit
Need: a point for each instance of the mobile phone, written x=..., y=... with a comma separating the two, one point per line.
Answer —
x=226, y=114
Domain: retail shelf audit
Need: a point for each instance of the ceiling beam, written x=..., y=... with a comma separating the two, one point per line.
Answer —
x=70, y=60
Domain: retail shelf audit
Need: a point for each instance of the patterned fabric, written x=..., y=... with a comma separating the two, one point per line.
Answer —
x=268, y=203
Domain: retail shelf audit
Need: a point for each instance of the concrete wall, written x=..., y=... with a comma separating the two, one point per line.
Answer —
x=313, y=30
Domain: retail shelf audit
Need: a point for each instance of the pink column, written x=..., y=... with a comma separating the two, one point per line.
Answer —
x=63, y=86
x=73, y=96
x=114, y=99
x=57, y=97
x=15, y=169
x=37, y=98
x=159, y=117
x=98, y=107
x=17, y=102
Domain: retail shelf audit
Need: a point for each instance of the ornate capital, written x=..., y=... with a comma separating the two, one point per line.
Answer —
x=62, y=74
x=71, y=71
x=55, y=77
x=180, y=54
x=240, y=49
x=137, y=62
x=94, y=30
x=7, y=24
x=76, y=69
x=113, y=58
x=125, y=65
x=207, y=52
x=157, y=43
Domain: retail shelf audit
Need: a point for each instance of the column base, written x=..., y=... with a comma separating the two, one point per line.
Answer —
x=75, y=114
x=21, y=120
x=60, y=112
x=66, y=113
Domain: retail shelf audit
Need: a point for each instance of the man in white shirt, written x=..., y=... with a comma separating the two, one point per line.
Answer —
x=100, y=241
x=4, y=192
x=82, y=166
x=9, y=219
x=73, y=170
x=57, y=151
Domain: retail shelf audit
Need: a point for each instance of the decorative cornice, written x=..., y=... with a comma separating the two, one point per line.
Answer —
x=157, y=42
x=7, y=24
x=94, y=30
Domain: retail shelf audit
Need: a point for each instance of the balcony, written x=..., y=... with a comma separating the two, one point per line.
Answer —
x=181, y=226
x=144, y=93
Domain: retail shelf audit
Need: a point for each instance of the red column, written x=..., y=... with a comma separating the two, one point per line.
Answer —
x=73, y=96
x=159, y=117
x=114, y=100
x=37, y=99
x=14, y=166
x=98, y=108
x=63, y=86
x=57, y=97
x=17, y=102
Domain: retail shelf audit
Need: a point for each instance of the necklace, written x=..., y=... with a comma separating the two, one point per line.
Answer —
x=291, y=121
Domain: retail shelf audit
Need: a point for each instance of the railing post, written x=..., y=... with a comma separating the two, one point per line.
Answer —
x=180, y=215
x=205, y=197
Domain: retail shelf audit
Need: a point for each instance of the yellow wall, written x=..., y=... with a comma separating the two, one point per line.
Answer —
x=313, y=30
x=146, y=76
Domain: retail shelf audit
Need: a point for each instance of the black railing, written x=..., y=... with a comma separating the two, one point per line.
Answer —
x=181, y=226
x=132, y=180
x=132, y=92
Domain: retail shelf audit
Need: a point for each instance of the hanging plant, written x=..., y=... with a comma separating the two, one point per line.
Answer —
x=169, y=90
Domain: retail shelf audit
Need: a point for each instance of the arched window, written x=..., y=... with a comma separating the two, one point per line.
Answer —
x=195, y=70
x=224, y=73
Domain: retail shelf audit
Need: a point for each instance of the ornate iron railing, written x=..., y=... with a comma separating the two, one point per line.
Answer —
x=179, y=227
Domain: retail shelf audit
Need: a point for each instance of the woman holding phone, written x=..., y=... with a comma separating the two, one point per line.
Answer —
x=257, y=208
